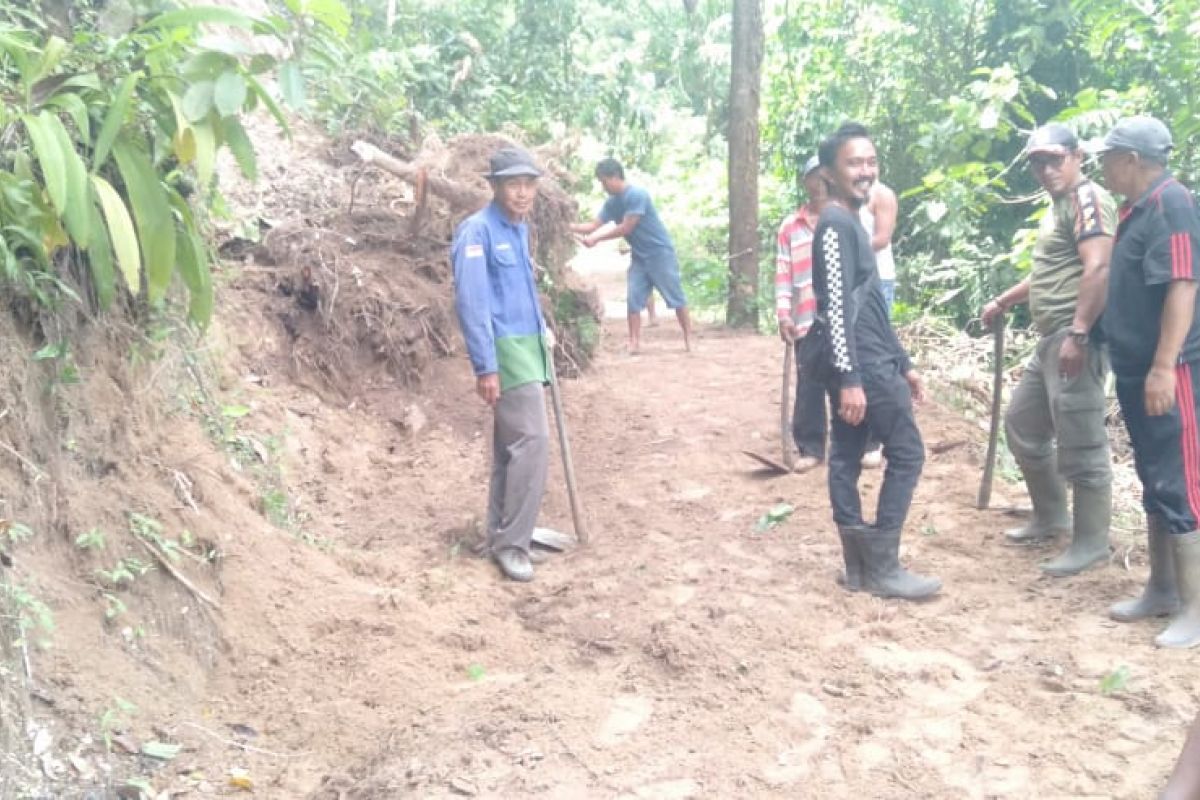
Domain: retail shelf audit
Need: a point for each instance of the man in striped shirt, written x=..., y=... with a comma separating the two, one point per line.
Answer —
x=795, y=305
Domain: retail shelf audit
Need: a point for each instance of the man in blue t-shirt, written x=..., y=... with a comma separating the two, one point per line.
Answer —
x=653, y=264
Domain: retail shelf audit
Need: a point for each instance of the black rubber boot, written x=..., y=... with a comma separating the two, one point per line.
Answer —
x=882, y=574
x=851, y=535
x=1092, y=514
x=1184, y=630
x=1160, y=598
x=1048, y=493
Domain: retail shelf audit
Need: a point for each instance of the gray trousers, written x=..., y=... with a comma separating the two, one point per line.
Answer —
x=520, y=453
x=1056, y=423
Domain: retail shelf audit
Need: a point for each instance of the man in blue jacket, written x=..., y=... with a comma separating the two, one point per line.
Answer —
x=501, y=319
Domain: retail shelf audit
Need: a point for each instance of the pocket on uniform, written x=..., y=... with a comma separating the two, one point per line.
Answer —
x=1080, y=420
x=505, y=259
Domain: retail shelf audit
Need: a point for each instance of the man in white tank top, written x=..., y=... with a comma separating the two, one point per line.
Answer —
x=879, y=218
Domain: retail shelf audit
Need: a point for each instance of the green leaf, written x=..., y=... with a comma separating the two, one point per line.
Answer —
x=198, y=101
x=194, y=270
x=23, y=165
x=49, y=351
x=52, y=53
x=774, y=516
x=100, y=258
x=206, y=155
x=50, y=158
x=73, y=105
x=77, y=215
x=121, y=232
x=241, y=147
x=234, y=412
x=152, y=213
x=780, y=512
x=1115, y=681
x=333, y=14
x=113, y=120
x=229, y=93
x=163, y=751
x=225, y=45
x=291, y=84
x=207, y=65
x=199, y=15
x=258, y=91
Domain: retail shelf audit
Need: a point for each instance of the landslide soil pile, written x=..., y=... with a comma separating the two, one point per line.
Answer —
x=357, y=259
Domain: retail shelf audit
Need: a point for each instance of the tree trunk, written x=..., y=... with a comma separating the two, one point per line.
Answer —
x=742, y=309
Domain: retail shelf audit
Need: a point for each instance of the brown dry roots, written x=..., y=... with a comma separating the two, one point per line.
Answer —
x=370, y=283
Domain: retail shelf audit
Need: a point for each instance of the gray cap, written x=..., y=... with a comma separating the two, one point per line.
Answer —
x=1053, y=137
x=512, y=162
x=1143, y=135
x=813, y=163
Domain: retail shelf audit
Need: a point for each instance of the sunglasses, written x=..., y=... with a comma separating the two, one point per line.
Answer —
x=1040, y=161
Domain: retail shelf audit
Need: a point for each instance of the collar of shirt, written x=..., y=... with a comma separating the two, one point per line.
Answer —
x=1150, y=192
x=497, y=216
x=807, y=216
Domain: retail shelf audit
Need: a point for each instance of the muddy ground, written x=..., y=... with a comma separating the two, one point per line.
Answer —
x=360, y=651
x=682, y=654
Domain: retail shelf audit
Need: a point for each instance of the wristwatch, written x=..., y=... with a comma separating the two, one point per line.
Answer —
x=1080, y=337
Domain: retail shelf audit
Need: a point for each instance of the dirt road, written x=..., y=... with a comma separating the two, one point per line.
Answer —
x=683, y=654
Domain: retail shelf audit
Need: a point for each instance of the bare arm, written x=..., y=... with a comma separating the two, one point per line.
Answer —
x=1012, y=296
x=1094, y=253
x=1185, y=780
x=1176, y=321
x=617, y=231
x=585, y=227
x=1093, y=285
x=885, y=208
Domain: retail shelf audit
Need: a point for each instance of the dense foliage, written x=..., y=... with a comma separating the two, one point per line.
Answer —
x=950, y=88
x=112, y=119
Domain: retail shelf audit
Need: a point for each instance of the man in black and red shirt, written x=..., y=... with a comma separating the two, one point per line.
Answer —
x=1153, y=333
x=871, y=381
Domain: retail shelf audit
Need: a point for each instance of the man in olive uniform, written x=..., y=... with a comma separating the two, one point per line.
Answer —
x=1055, y=421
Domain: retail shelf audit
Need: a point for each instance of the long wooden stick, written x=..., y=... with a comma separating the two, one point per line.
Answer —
x=564, y=446
x=176, y=574
x=785, y=429
x=989, y=464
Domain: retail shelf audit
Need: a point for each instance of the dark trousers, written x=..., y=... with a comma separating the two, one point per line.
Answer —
x=1166, y=448
x=889, y=420
x=809, y=418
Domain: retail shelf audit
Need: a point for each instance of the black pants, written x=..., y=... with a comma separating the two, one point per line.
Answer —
x=889, y=420
x=809, y=418
x=1166, y=448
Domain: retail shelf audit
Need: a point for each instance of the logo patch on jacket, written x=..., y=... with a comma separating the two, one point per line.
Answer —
x=474, y=251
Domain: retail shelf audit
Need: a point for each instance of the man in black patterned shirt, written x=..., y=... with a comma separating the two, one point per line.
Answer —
x=872, y=384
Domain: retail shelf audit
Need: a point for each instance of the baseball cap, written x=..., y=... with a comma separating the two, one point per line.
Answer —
x=1142, y=135
x=813, y=163
x=512, y=162
x=1053, y=137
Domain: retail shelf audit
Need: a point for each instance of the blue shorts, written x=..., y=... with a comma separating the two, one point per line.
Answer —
x=661, y=273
